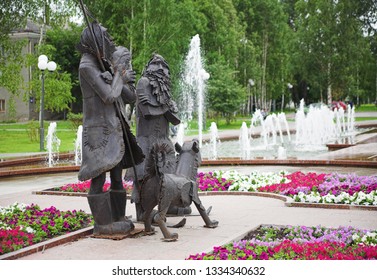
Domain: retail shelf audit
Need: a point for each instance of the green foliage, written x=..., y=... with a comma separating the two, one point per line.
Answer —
x=328, y=46
x=145, y=27
x=11, y=63
x=14, y=14
x=64, y=40
x=75, y=119
x=225, y=95
x=11, y=111
x=32, y=131
x=57, y=84
x=331, y=46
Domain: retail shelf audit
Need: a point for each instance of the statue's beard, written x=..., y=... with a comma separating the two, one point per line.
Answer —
x=160, y=83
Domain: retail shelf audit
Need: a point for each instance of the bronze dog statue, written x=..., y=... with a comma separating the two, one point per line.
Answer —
x=165, y=189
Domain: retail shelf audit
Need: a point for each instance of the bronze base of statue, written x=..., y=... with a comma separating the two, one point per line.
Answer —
x=136, y=232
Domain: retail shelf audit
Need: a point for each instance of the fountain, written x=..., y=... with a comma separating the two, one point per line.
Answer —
x=53, y=144
x=314, y=129
x=282, y=118
x=244, y=140
x=282, y=153
x=321, y=126
x=193, y=86
x=271, y=127
x=269, y=136
x=78, y=146
x=214, y=140
x=180, y=133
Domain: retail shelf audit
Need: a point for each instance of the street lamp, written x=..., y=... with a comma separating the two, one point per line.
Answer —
x=250, y=102
x=43, y=64
x=290, y=86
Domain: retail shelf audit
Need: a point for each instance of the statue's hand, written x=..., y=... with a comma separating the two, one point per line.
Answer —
x=173, y=106
x=129, y=76
x=107, y=77
x=143, y=98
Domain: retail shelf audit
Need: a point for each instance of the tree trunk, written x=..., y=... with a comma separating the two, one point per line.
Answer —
x=145, y=30
x=132, y=20
x=329, y=93
x=263, y=97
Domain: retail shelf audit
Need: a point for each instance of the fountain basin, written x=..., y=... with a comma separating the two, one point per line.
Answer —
x=31, y=166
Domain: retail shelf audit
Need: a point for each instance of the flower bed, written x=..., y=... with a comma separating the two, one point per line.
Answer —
x=310, y=187
x=22, y=225
x=83, y=187
x=298, y=243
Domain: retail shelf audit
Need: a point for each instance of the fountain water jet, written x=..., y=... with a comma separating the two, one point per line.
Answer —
x=244, y=140
x=282, y=153
x=78, y=146
x=180, y=133
x=271, y=126
x=53, y=144
x=319, y=126
x=193, y=86
x=214, y=140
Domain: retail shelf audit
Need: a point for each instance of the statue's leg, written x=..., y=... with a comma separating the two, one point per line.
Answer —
x=202, y=211
x=160, y=217
x=96, y=184
x=149, y=229
x=116, y=177
x=135, y=198
x=209, y=223
x=118, y=204
x=101, y=208
x=118, y=194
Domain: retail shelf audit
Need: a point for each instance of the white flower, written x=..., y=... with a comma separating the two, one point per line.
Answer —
x=13, y=207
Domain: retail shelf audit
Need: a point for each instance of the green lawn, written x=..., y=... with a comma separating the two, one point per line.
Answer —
x=16, y=138
x=366, y=108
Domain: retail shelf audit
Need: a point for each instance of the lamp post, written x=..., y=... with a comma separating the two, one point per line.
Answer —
x=250, y=102
x=290, y=86
x=43, y=64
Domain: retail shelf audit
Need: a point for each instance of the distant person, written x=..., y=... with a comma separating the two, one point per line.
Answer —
x=263, y=113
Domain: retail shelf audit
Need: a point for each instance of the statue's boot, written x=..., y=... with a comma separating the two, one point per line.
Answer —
x=118, y=205
x=179, y=211
x=104, y=224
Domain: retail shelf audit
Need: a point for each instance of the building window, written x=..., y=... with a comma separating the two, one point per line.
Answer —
x=2, y=105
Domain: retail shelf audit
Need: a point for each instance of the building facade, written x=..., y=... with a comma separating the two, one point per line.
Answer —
x=26, y=109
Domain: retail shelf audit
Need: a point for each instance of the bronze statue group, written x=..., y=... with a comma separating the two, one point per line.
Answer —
x=164, y=174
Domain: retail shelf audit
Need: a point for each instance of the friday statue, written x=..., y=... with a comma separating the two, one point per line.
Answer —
x=155, y=112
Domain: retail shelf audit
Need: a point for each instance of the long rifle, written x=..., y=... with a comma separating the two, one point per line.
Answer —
x=116, y=104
